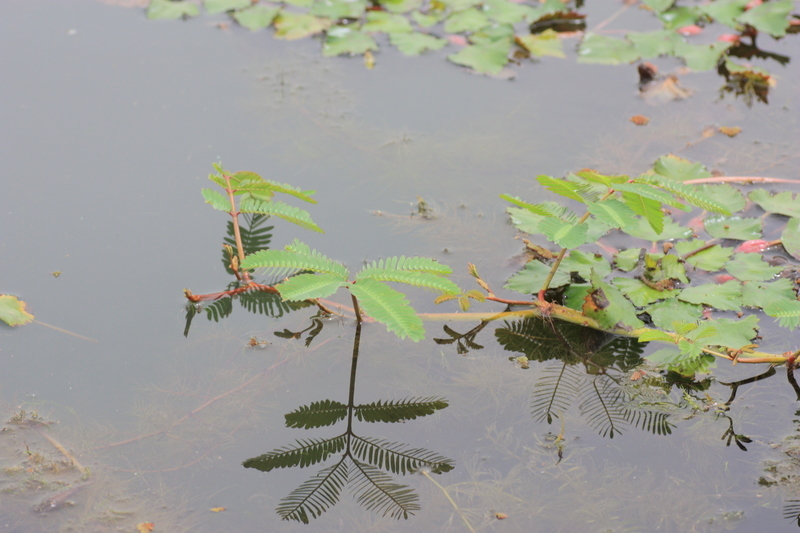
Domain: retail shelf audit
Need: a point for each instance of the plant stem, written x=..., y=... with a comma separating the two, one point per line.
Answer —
x=235, y=215
x=356, y=308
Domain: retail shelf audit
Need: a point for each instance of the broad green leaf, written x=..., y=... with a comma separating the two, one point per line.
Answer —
x=756, y=294
x=595, y=229
x=655, y=43
x=783, y=203
x=400, y=6
x=583, y=263
x=725, y=11
x=493, y=33
x=292, y=214
x=678, y=17
x=309, y=286
x=339, y=9
x=659, y=5
x=678, y=168
x=648, y=208
x=507, y=12
x=655, y=335
x=733, y=227
x=425, y=280
x=256, y=17
x=612, y=212
x=531, y=278
x=725, y=297
x=165, y=9
x=665, y=313
x=468, y=20
x=291, y=26
x=389, y=307
x=563, y=187
x=790, y=238
x=299, y=3
x=386, y=22
x=524, y=220
x=574, y=295
x=217, y=200
x=639, y=293
x=751, y=267
x=726, y=194
x=733, y=333
x=769, y=17
x=412, y=44
x=788, y=311
x=700, y=57
x=424, y=20
x=12, y=311
x=562, y=233
x=609, y=307
x=671, y=230
x=485, y=58
x=710, y=259
x=460, y=5
x=606, y=50
x=345, y=40
x=220, y=6
x=626, y=260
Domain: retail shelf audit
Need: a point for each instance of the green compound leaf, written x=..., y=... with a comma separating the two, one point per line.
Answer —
x=688, y=193
x=12, y=311
x=609, y=307
x=411, y=264
x=318, y=414
x=565, y=188
x=710, y=259
x=650, y=209
x=485, y=58
x=309, y=286
x=547, y=43
x=755, y=294
x=652, y=192
x=769, y=17
x=251, y=182
x=413, y=44
x=386, y=22
x=217, y=200
x=389, y=307
x=530, y=279
x=304, y=453
x=665, y=313
x=655, y=43
x=733, y=227
x=678, y=168
x=606, y=50
x=165, y=9
x=256, y=17
x=700, y=57
x=467, y=20
x=788, y=311
x=783, y=203
x=733, y=333
x=751, y=267
x=545, y=209
x=418, y=279
x=291, y=26
x=790, y=238
x=221, y=6
x=296, y=256
x=725, y=297
x=345, y=40
x=563, y=233
x=641, y=294
x=612, y=212
x=289, y=213
x=671, y=230
x=726, y=194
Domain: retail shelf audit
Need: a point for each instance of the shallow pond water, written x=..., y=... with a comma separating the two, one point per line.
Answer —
x=111, y=123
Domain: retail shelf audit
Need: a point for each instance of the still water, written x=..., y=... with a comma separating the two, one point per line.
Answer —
x=110, y=125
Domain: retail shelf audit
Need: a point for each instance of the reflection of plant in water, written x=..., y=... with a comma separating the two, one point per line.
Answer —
x=362, y=459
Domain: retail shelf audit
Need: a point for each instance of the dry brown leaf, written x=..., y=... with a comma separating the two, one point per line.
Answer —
x=369, y=60
x=500, y=516
x=145, y=527
x=730, y=131
x=663, y=91
x=640, y=120
x=217, y=509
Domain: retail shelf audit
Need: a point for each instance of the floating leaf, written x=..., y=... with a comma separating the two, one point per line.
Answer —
x=659, y=5
x=655, y=43
x=790, y=238
x=547, y=43
x=670, y=230
x=345, y=40
x=769, y=17
x=787, y=310
x=751, y=267
x=256, y=17
x=583, y=263
x=710, y=259
x=606, y=50
x=725, y=11
x=467, y=20
x=678, y=17
x=639, y=293
x=757, y=294
x=412, y=44
x=291, y=26
x=725, y=297
x=733, y=333
x=724, y=193
x=626, y=260
x=531, y=279
x=733, y=227
x=609, y=307
x=12, y=311
x=400, y=6
x=507, y=12
x=485, y=58
x=426, y=20
x=166, y=9
x=783, y=203
x=562, y=233
x=678, y=168
x=700, y=57
x=339, y=9
x=220, y=6
x=665, y=313
x=386, y=22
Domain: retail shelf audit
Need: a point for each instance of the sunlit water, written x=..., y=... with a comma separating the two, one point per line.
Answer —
x=110, y=124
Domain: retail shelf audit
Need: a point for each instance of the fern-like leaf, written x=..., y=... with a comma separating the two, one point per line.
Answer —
x=612, y=212
x=564, y=234
x=398, y=458
x=557, y=388
x=655, y=422
x=649, y=208
x=425, y=280
x=687, y=192
x=217, y=200
x=547, y=209
x=267, y=303
x=292, y=214
x=318, y=414
x=297, y=256
x=307, y=452
x=411, y=264
x=562, y=187
x=408, y=409
x=378, y=492
x=602, y=405
x=310, y=286
x=389, y=307
x=649, y=191
x=252, y=181
x=219, y=309
x=316, y=495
